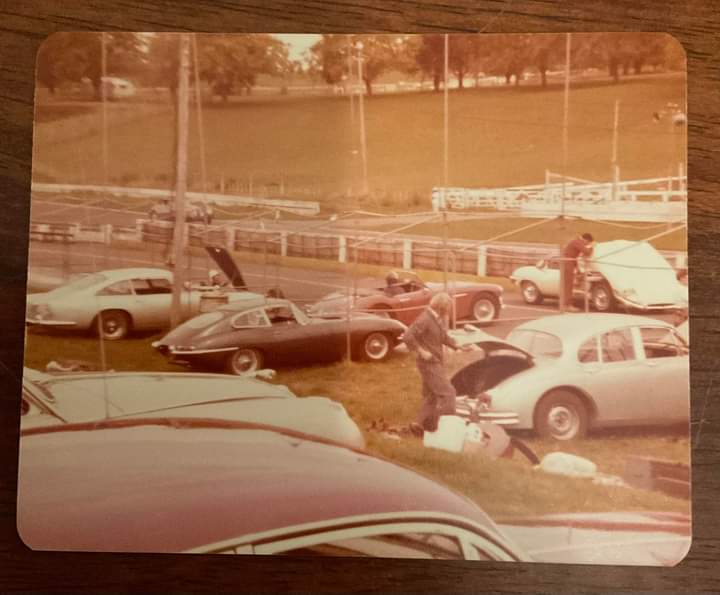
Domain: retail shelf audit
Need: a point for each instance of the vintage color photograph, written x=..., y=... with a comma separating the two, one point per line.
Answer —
x=400, y=296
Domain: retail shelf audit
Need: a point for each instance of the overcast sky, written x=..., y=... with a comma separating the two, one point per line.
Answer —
x=297, y=42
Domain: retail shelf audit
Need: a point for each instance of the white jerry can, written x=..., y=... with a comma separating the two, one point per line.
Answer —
x=450, y=434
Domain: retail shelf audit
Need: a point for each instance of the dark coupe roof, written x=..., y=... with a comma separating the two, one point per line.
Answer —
x=150, y=488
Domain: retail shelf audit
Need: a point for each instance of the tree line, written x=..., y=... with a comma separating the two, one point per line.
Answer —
x=231, y=63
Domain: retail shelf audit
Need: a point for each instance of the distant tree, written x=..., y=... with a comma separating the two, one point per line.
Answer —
x=71, y=57
x=430, y=57
x=379, y=53
x=546, y=51
x=232, y=61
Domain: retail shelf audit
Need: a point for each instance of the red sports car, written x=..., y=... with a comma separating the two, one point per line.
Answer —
x=406, y=299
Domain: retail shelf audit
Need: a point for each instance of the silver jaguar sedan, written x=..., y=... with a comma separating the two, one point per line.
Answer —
x=566, y=374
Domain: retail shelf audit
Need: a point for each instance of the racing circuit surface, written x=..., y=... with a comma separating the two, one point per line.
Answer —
x=48, y=261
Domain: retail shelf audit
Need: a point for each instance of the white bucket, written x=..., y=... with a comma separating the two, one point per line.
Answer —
x=450, y=434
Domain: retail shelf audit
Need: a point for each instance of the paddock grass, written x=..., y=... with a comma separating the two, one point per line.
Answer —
x=391, y=391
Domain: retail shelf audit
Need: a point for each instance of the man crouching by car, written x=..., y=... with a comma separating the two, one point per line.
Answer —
x=426, y=337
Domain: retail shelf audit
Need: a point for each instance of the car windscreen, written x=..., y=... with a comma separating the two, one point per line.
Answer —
x=538, y=343
x=84, y=282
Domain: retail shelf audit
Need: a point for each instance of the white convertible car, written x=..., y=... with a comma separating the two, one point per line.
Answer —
x=119, y=301
x=565, y=374
x=620, y=273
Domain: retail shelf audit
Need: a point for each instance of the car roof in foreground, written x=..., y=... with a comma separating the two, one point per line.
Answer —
x=83, y=394
x=253, y=300
x=586, y=324
x=164, y=488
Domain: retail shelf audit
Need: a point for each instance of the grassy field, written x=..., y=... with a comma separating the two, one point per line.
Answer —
x=391, y=391
x=498, y=137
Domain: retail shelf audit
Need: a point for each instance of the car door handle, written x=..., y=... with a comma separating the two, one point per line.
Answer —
x=651, y=363
x=592, y=370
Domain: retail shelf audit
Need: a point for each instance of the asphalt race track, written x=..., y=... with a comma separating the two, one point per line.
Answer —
x=50, y=262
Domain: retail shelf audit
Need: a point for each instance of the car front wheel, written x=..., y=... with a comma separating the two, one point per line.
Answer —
x=531, y=294
x=244, y=361
x=113, y=324
x=376, y=347
x=601, y=297
x=561, y=415
x=485, y=308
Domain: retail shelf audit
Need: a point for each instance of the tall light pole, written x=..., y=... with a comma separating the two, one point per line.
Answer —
x=350, y=88
x=181, y=179
x=361, y=113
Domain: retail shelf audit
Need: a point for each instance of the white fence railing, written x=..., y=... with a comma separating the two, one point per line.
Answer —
x=305, y=207
x=497, y=259
x=654, y=200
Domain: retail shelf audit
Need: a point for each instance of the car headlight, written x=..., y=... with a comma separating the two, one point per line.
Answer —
x=41, y=311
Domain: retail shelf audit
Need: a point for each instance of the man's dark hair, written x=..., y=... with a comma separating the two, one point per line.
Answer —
x=587, y=237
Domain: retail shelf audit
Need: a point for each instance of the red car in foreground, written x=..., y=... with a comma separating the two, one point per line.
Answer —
x=209, y=486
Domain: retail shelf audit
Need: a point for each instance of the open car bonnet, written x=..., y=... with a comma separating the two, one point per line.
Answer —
x=483, y=344
x=227, y=265
x=637, y=272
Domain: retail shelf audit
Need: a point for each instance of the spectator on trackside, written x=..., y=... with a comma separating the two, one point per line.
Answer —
x=579, y=246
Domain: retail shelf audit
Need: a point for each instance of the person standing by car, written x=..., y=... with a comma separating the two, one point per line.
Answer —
x=392, y=284
x=579, y=246
x=426, y=337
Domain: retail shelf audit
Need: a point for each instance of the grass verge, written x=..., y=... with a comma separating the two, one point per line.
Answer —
x=391, y=391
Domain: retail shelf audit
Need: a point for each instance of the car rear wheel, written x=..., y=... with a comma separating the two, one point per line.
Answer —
x=244, y=361
x=485, y=308
x=531, y=293
x=113, y=324
x=561, y=415
x=376, y=347
x=601, y=297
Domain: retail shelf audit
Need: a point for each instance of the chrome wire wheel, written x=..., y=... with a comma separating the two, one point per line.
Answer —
x=376, y=347
x=244, y=361
x=484, y=309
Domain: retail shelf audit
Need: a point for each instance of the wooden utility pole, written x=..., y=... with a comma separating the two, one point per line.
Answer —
x=445, y=162
x=181, y=179
x=615, y=172
x=566, y=105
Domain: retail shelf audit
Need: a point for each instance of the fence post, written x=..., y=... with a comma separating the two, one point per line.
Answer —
x=283, y=243
x=342, y=249
x=482, y=261
x=407, y=254
x=230, y=238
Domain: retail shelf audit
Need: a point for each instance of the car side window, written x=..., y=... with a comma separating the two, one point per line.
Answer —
x=588, y=351
x=253, y=318
x=660, y=342
x=280, y=315
x=617, y=346
x=119, y=288
x=141, y=286
x=160, y=286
